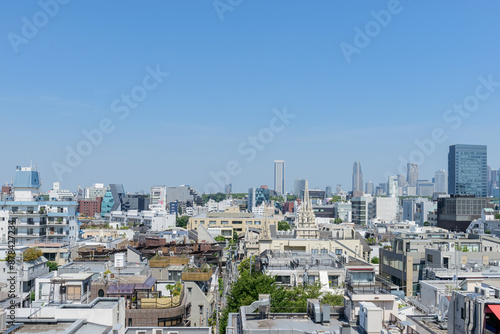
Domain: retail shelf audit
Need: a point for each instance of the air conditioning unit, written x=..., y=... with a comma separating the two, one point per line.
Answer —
x=157, y=331
x=140, y=332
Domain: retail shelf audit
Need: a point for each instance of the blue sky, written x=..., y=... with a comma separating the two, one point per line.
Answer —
x=227, y=76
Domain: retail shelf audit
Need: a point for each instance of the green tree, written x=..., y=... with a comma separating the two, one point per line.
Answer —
x=426, y=224
x=283, y=226
x=375, y=260
x=32, y=254
x=220, y=238
x=182, y=221
x=333, y=299
x=337, y=221
x=235, y=236
x=52, y=265
x=291, y=198
x=179, y=210
x=247, y=288
x=497, y=215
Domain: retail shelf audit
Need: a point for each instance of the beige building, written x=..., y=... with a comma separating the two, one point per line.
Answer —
x=231, y=218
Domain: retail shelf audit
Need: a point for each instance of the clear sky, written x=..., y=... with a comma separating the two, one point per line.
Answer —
x=358, y=89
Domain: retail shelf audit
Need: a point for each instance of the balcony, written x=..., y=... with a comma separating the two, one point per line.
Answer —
x=196, y=274
x=27, y=213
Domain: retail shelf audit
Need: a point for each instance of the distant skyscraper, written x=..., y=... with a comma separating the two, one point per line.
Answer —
x=441, y=181
x=401, y=181
x=412, y=174
x=357, y=178
x=493, y=184
x=369, y=188
x=329, y=191
x=392, y=186
x=298, y=187
x=279, y=176
x=468, y=170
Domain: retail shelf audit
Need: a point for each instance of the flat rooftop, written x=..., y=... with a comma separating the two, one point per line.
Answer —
x=300, y=323
x=55, y=328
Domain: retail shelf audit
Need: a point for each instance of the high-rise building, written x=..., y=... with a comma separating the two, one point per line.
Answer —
x=298, y=186
x=392, y=187
x=357, y=179
x=425, y=188
x=329, y=191
x=402, y=181
x=468, y=170
x=494, y=182
x=369, y=189
x=279, y=176
x=412, y=174
x=441, y=181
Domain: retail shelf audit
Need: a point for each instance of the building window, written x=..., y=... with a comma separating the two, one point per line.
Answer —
x=283, y=279
x=201, y=309
x=333, y=281
x=257, y=222
x=311, y=279
x=224, y=222
x=169, y=322
x=338, y=252
x=430, y=258
x=100, y=293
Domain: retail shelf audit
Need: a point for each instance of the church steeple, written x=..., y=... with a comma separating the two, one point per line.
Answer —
x=306, y=220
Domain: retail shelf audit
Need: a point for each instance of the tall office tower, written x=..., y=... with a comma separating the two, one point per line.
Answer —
x=468, y=170
x=329, y=191
x=369, y=189
x=357, y=179
x=298, y=187
x=441, y=181
x=492, y=181
x=279, y=176
x=412, y=174
x=392, y=186
x=401, y=180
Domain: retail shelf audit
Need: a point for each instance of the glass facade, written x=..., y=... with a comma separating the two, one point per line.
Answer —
x=467, y=170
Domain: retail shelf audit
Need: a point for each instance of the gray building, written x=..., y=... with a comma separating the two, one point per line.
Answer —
x=279, y=177
x=357, y=179
x=298, y=187
x=458, y=211
x=441, y=181
x=468, y=170
x=412, y=174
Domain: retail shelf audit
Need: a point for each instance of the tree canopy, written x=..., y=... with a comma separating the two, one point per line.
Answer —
x=182, y=221
x=284, y=299
x=283, y=226
x=32, y=254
